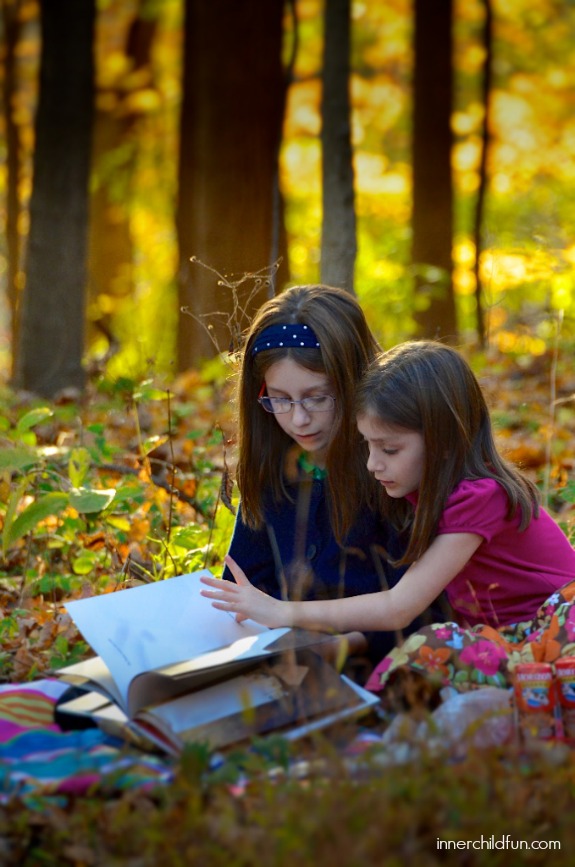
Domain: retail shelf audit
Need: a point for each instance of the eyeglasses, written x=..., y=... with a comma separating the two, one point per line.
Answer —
x=279, y=405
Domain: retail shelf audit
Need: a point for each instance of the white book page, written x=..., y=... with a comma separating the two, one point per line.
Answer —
x=95, y=671
x=216, y=702
x=158, y=624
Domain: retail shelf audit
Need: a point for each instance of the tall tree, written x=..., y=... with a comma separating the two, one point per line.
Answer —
x=12, y=21
x=487, y=39
x=432, y=218
x=53, y=304
x=338, y=239
x=231, y=125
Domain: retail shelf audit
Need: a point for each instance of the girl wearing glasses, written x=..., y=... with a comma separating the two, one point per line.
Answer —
x=307, y=526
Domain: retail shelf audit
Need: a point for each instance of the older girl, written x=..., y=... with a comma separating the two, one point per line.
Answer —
x=308, y=526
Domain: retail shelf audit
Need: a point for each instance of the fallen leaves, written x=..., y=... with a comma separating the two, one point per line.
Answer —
x=166, y=494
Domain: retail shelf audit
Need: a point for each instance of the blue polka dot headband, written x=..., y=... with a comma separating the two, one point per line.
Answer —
x=276, y=336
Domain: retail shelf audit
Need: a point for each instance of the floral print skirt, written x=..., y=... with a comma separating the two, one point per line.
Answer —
x=451, y=655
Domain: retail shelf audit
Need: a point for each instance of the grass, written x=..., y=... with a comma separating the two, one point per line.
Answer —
x=337, y=814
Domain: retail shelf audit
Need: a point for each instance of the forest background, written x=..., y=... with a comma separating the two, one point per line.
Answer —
x=169, y=164
x=426, y=148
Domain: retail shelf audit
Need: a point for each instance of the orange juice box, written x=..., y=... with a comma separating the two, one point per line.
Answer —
x=565, y=681
x=535, y=700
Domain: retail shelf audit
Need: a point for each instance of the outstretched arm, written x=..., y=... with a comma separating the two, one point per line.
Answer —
x=385, y=610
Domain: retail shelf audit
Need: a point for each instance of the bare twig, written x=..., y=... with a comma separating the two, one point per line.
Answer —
x=552, y=408
x=124, y=469
x=242, y=290
x=171, y=481
x=224, y=495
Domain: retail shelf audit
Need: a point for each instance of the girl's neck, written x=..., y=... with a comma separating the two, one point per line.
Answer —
x=312, y=465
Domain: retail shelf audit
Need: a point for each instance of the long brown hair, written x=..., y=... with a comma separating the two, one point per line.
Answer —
x=346, y=347
x=428, y=387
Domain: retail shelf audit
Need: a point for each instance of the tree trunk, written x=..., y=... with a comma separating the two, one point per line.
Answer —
x=12, y=33
x=338, y=240
x=231, y=126
x=432, y=219
x=483, y=175
x=52, y=330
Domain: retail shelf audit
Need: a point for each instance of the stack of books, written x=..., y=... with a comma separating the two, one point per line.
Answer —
x=171, y=669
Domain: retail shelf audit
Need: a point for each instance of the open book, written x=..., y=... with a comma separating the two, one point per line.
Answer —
x=172, y=668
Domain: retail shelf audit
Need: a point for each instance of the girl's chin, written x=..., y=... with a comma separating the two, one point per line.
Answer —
x=392, y=490
x=318, y=450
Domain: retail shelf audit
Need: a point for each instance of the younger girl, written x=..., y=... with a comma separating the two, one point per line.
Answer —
x=308, y=526
x=475, y=525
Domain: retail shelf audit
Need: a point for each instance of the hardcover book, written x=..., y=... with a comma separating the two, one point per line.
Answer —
x=170, y=668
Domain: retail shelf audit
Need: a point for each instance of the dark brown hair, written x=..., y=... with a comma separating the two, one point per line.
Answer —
x=428, y=387
x=346, y=347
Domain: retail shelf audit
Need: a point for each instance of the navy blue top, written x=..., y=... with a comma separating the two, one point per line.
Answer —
x=296, y=550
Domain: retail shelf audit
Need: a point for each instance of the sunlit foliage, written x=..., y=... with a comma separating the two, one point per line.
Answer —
x=529, y=222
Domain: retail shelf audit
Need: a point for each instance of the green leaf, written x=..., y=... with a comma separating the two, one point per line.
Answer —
x=34, y=417
x=85, y=562
x=11, y=510
x=50, y=504
x=14, y=460
x=153, y=443
x=147, y=391
x=88, y=500
x=47, y=584
x=119, y=522
x=151, y=394
x=78, y=466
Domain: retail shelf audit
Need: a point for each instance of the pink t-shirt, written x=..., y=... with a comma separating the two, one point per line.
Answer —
x=511, y=574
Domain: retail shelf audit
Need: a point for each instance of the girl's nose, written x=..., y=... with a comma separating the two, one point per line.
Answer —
x=372, y=463
x=300, y=415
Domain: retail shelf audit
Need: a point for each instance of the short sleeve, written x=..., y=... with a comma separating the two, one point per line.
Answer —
x=476, y=506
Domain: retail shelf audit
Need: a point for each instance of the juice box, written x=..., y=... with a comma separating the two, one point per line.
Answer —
x=565, y=680
x=535, y=700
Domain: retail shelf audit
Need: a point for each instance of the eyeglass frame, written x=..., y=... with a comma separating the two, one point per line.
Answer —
x=292, y=403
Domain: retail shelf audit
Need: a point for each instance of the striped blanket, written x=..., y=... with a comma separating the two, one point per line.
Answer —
x=38, y=758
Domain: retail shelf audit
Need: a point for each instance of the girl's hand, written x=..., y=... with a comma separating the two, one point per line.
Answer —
x=245, y=600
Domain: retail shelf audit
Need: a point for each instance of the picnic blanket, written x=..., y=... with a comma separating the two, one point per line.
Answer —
x=449, y=654
x=38, y=758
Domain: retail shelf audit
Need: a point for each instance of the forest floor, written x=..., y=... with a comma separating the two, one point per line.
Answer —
x=130, y=483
